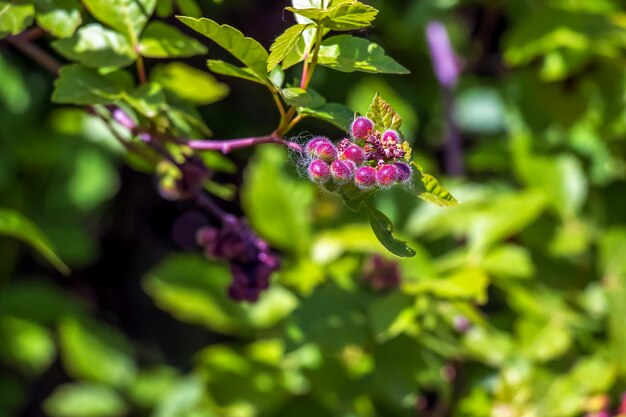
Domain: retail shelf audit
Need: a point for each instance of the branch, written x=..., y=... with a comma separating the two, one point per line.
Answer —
x=226, y=146
x=22, y=43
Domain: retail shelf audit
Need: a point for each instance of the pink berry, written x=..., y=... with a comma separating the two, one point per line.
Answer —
x=355, y=154
x=365, y=178
x=404, y=171
x=319, y=171
x=342, y=171
x=387, y=175
x=326, y=152
x=311, y=146
x=391, y=136
x=361, y=127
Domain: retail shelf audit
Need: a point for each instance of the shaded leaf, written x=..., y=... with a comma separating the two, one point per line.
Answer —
x=383, y=229
x=245, y=49
x=96, y=46
x=334, y=113
x=348, y=53
x=17, y=226
x=161, y=40
x=283, y=45
x=148, y=99
x=224, y=68
x=83, y=86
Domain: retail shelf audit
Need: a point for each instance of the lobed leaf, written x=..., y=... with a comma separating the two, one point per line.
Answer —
x=161, y=40
x=14, y=18
x=348, y=53
x=83, y=86
x=61, y=18
x=17, y=226
x=383, y=115
x=245, y=49
x=383, y=229
x=284, y=44
x=126, y=16
x=95, y=46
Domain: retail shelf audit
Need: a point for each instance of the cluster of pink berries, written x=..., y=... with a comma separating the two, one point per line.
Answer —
x=370, y=159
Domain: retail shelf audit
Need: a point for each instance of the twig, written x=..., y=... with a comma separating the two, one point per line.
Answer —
x=226, y=146
x=34, y=52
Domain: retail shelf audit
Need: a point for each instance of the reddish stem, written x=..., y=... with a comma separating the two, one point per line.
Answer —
x=226, y=146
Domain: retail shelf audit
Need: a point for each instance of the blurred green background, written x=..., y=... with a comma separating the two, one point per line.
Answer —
x=513, y=306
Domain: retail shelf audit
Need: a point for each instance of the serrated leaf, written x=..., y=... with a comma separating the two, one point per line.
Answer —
x=302, y=47
x=383, y=229
x=334, y=113
x=14, y=18
x=126, y=16
x=189, y=83
x=348, y=53
x=15, y=225
x=95, y=46
x=283, y=45
x=435, y=193
x=247, y=50
x=383, y=115
x=161, y=40
x=224, y=68
x=347, y=15
x=83, y=86
x=59, y=17
x=148, y=99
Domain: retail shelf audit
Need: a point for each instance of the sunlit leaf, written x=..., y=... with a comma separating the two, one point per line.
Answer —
x=335, y=113
x=59, y=17
x=161, y=40
x=85, y=400
x=283, y=45
x=347, y=15
x=224, y=68
x=83, y=86
x=126, y=16
x=348, y=53
x=14, y=18
x=189, y=83
x=383, y=115
x=383, y=229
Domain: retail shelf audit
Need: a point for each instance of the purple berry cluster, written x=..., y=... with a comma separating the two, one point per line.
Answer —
x=369, y=159
x=251, y=261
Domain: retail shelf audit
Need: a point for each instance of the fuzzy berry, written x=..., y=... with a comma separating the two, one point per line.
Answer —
x=342, y=171
x=355, y=154
x=319, y=171
x=311, y=146
x=365, y=178
x=404, y=171
x=391, y=136
x=387, y=175
x=326, y=152
x=361, y=127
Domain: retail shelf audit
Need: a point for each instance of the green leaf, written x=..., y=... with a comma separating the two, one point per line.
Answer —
x=297, y=97
x=126, y=16
x=334, y=113
x=301, y=48
x=161, y=40
x=85, y=400
x=348, y=53
x=95, y=46
x=283, y=45
x=59, y=17
x=435, y=193
x=148, y=99
x=194, y=290
x=189, y=83
x=17, y=226
x=277, y=205
x=95, y=352
x=383, y=115
x=383, y=229
x=245, y=49
x=189, y=8
x=82, y=86
x=25, y=345
x=14, y=18
x=347, y=15
x=224, y=68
